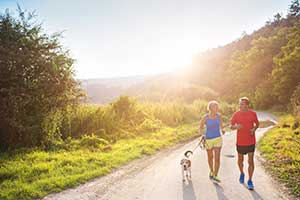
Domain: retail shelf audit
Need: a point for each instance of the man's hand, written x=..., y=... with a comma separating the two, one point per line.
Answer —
x=237, y=126
x=252, y=130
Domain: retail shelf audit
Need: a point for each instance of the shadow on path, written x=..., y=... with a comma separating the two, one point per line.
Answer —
x=188, y=191
x=254, y=194
x=220, y=192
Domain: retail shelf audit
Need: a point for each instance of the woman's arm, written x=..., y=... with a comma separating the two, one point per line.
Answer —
x=221, y=124
x=202, y=122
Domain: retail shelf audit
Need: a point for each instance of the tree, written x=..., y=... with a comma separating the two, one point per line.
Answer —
x=294, y=9
x=277, y=17
x=36, y=79
x=286, y=71
x=295, y=101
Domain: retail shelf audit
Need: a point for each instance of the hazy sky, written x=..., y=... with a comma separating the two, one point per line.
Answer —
x=111, y=38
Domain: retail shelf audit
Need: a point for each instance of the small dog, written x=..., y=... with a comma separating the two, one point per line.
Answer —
x=186, y=167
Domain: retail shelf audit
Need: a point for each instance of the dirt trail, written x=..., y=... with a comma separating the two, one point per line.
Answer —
x=159, y=177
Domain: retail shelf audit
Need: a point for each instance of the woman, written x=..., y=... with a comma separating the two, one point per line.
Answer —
x=213, y=122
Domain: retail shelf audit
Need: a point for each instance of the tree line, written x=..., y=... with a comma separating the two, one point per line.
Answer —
x=264, y=65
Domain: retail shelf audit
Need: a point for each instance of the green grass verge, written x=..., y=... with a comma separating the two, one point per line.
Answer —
x=281, y=148
x=34, y=173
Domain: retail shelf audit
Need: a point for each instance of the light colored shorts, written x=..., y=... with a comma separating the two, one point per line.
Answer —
x=214, y=142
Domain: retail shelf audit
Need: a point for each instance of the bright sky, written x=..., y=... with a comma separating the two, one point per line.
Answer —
x=111, y=38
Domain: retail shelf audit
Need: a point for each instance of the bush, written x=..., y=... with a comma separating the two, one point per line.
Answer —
x=36, y=80
x=124, y=106
x=150, y=125
x=93, y=141
x=295, y=101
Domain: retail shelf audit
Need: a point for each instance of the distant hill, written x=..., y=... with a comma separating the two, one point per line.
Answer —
x=104, y=90
x=263, y=65
x=172, y=86
x=163, y=87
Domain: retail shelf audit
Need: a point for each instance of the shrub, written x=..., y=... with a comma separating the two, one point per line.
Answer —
x=36, y=79
x=295, y=101
x=150, y=125
x=92, y=141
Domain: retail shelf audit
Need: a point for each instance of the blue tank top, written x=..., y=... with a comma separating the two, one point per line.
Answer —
x=212, y=127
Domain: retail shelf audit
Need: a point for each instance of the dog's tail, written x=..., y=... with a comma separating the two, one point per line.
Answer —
x=188, y=153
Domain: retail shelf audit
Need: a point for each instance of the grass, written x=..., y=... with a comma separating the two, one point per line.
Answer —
x=34, y=173
x=281, y=148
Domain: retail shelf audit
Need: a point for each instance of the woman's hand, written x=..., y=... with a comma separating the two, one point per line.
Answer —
x=223, y=131
x=202, y=137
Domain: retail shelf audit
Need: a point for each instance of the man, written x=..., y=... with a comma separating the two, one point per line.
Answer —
x=245, y=122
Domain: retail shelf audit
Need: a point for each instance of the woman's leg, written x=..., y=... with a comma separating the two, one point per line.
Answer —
x=210, y=157
x=217, y=152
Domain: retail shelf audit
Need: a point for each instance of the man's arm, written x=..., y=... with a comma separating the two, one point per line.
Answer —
x=234, y=125
x=256, y=122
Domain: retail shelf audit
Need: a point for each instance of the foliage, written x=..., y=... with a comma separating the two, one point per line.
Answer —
x=92, y=141
x=295, y=101
x=281, y=147
x=34, y=173
x=264, y=65
x=36, y=80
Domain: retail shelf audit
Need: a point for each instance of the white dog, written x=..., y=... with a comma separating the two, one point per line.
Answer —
x=186, y=167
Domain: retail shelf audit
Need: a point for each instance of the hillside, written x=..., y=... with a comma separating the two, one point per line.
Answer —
x=264, y=65
x=102, y=91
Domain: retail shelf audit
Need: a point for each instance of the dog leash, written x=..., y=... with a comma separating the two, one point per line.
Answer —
x=202, y=143
x=199, y=144
x=196, y=146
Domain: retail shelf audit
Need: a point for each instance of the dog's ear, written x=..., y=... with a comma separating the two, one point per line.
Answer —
x=181, y=162
x=189, y=163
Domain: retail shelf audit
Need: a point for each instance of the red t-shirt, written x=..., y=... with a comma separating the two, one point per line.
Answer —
x=247, y=120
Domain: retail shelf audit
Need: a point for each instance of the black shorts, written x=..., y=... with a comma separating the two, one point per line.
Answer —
x=245, y=149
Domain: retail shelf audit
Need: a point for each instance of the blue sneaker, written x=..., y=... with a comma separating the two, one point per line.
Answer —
x=242, y=178
x=250, y=185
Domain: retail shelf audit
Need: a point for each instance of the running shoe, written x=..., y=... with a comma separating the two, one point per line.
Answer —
x=211, y=175
x=242, y=178
x=250, y=185
x=216, y=179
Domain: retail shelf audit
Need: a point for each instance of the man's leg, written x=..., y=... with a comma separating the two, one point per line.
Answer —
x=217, y=151
x=250, y=164
x=241, y=167
x=241, y=162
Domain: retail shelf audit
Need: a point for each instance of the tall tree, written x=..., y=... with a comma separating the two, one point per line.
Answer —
x=294, y=9
x=36, y=79
x=286, y=72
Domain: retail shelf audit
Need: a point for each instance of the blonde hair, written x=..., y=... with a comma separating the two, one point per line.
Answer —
x=245, y=99
x=211, y=103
